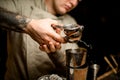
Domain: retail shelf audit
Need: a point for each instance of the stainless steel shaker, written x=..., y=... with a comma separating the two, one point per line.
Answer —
x=76, y=66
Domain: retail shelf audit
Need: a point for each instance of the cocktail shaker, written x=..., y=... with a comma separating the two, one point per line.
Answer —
x=76, y=65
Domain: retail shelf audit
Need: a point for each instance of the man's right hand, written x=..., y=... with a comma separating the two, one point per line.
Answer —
x=42, y=32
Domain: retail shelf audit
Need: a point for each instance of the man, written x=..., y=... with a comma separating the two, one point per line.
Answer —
x=25, y=60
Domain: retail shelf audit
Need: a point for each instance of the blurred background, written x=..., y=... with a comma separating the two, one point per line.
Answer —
x=101, y=21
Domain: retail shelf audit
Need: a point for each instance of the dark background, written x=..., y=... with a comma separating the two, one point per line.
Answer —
x=101, y=21
x=3, y=52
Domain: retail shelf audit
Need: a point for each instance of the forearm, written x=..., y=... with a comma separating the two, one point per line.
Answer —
x=12, y=21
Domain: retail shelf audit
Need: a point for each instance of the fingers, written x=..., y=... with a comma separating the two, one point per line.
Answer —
x=55, y=33
x=56, y=28
x=46, y=49
x=58, y=46
x=50, y=48
x=57, y=37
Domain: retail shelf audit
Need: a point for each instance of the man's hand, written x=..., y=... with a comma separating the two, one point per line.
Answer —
x=43, y=32
x=50, y=48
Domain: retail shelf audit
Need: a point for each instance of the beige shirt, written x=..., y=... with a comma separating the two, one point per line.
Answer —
x=25, y=60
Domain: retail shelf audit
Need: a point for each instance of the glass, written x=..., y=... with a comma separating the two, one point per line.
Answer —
x=73, y=32
x=76, y=64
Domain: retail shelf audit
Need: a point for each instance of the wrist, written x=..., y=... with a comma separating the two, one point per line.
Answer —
x=22, y=23
x=26, y=23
